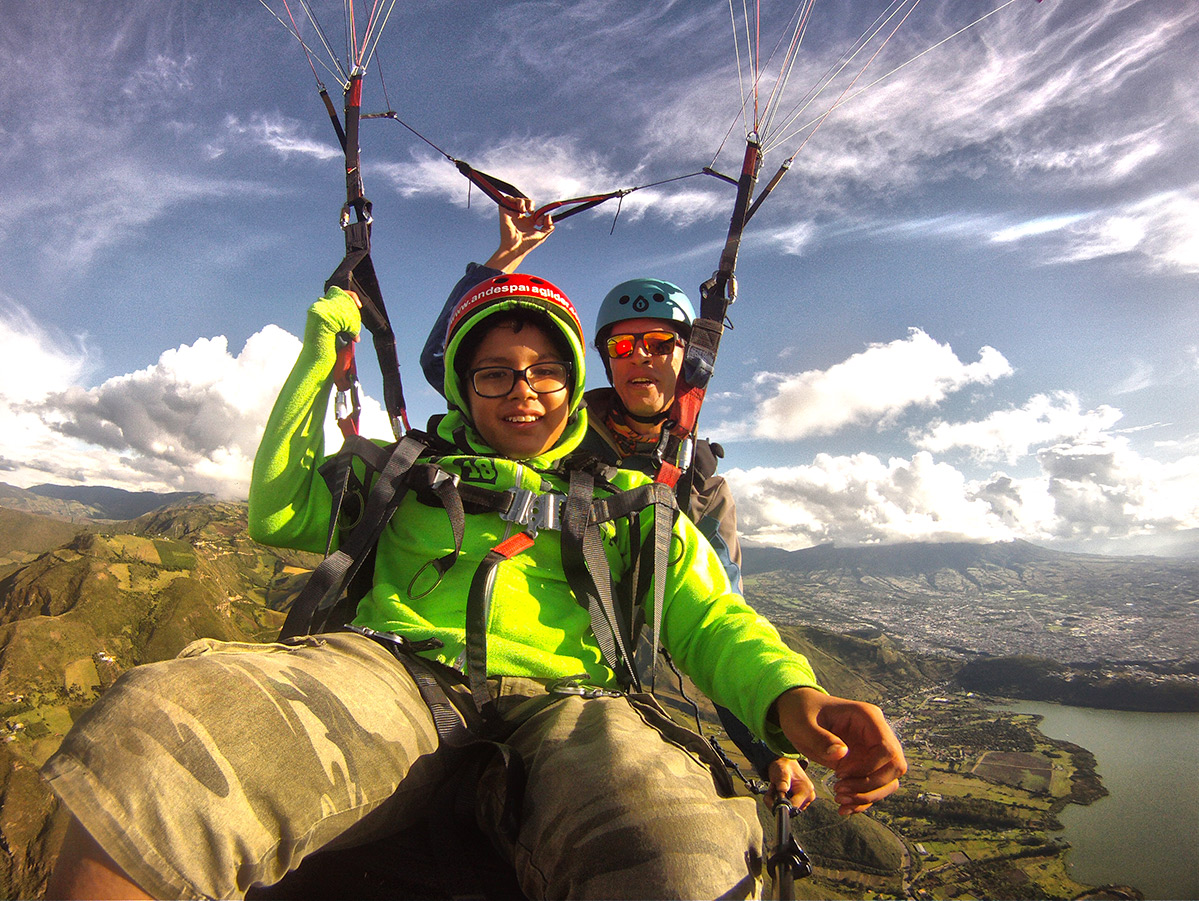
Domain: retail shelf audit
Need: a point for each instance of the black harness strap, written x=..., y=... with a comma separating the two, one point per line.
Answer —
x=325, y=584
x=661, y=499
x=349, y=491
x=458, y=727
x=450, y=719
x=428, y=478
x=356, y=271
x=699, y=359
x=478, y=609
x=589, y=575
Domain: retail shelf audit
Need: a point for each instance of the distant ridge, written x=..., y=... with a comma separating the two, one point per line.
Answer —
x=907, y=559
x=998, y=599
x=916, y=557
x=92, y=501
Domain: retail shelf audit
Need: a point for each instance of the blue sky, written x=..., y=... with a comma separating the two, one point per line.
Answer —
x=968, y=312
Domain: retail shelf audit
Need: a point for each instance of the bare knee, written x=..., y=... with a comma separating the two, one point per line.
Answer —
x=84, y=870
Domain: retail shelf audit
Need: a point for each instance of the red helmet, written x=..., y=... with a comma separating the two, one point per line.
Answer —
x=512, y=286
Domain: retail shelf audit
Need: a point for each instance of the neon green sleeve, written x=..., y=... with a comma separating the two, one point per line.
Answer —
x=289, y=503
x=733, y=654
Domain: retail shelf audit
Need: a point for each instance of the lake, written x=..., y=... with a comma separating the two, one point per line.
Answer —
x=1145, y=833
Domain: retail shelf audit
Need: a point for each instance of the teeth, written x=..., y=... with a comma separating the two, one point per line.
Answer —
x=521, y=418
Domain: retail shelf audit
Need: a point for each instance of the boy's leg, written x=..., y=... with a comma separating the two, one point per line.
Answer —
x=617, y=807
x=203, y=775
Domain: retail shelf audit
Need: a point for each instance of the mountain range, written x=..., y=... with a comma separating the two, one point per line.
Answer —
x=88, y=502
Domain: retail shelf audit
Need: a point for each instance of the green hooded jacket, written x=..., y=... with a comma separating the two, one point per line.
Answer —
x=536, y=628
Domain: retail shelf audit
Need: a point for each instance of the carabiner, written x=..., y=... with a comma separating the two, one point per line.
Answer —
x=569, y=686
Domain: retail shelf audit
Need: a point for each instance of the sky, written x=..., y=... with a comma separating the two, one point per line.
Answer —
x=968, y=312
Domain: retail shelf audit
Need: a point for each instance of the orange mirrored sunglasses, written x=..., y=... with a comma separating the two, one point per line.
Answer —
x=659, y=342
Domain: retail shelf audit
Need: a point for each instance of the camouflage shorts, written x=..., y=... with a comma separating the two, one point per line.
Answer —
x=222, y=769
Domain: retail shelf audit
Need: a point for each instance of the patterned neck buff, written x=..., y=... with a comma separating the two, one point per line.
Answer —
x=628, y=440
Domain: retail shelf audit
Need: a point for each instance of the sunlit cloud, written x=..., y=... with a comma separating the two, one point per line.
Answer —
x=192, y=421
x=1086, y=494
x=280, y=135
x=1011, y=434
x=861, y=499
x=1035, y=227
x=870, y=388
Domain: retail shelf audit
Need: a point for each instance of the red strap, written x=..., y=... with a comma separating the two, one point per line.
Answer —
x=689, y=402
x=685, y=413
x=669, y=475
x=345, y=373
x=510, y=547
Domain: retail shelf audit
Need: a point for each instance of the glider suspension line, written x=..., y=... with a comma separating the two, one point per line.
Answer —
x=766, y=129
x=356, y=271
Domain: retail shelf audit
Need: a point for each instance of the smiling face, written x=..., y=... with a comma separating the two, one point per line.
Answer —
x=646, y=382
x=522, y=423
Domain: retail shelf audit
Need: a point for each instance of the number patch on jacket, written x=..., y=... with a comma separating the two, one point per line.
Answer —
x=479, y=469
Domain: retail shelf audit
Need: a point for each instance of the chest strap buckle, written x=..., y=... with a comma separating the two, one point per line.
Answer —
x=534, y=511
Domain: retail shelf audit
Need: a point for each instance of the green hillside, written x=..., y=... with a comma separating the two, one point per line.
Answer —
x=79, y=606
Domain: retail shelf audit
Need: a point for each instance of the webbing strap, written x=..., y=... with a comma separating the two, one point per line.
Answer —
x=458, y=728
x=478, y=608
x=699, y=359
x=357, y=272
x=445, y=487
x=451, y=726
x=344, y=484
x=325, y=584
x=588, y=573
x=661, y=499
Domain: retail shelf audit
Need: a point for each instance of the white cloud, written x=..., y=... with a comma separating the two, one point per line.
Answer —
x=861, y=499
x=281, y=135
x=162, y=77
x=1010, y=434
x=1142, y=376
x=33, y=361
x=1162, y=228
x=1071, y=116
x=1086, y=494
x=105, y=151
x=871, y=387
x=192, y=421
x=795, y=238
x=1103, y=488
x=1034, y=227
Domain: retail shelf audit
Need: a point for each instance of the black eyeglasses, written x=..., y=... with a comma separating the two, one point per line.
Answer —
x=542, y=378
x=657, y=343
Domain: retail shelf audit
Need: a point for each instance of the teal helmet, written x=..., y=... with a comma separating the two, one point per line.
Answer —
x=644, y=298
